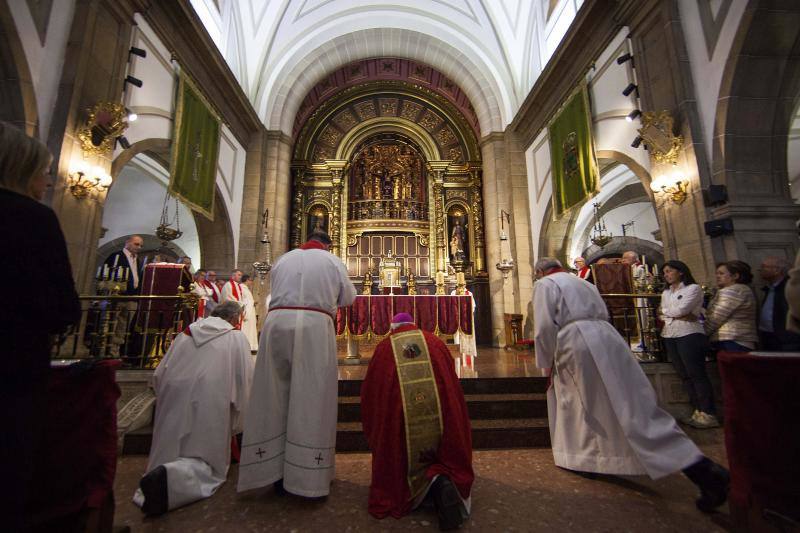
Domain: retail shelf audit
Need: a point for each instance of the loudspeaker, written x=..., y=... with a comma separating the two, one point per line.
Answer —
x=715, y=195
x=722, y=226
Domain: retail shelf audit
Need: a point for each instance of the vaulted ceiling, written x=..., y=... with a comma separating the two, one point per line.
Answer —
x=493, y=49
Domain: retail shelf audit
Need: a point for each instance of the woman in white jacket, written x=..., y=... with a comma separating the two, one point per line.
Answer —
x=686, y=342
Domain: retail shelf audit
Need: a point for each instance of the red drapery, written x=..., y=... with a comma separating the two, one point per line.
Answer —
x=77, y=458
x=373, y=314
x=762, y=432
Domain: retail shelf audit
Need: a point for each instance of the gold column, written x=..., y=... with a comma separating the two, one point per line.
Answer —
x=339, y=214
x=297, y=208
x=438, y=168
x=477, y=219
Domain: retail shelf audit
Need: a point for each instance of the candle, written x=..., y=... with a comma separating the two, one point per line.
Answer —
x=105, y=272
x=644, y=261
x=116, y=260
x=99, y=272
x=655, y=270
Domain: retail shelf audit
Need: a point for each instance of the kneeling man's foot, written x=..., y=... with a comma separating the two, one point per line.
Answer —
x=713, y=480
x=154, y=488
x=278, y=487
x=449, y=506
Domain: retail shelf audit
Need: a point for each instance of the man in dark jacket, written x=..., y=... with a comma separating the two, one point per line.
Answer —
x=127, y=259
x=772, y=333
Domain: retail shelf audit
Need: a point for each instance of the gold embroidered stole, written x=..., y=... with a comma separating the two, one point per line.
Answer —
x=423, y=415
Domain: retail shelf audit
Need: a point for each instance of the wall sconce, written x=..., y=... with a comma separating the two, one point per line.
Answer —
x=83, y=179
x=673, y=185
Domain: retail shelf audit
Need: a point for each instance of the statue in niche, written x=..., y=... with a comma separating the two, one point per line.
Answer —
x=458, y=236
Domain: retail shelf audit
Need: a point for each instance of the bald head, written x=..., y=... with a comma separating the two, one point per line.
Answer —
x=630, y=257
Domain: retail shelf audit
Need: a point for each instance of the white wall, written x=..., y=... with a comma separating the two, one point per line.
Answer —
x=611, y=131
x=44, y=61
x=134, y=205
x=707, y=70
x=154, y=103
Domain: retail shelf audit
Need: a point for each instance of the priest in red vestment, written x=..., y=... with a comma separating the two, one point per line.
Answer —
x=411, y=388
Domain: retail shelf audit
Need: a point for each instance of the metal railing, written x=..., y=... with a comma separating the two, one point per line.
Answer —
x=136, y=329
x=635, y=317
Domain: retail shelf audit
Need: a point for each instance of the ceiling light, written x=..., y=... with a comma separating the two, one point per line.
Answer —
x=623, y=58
x=138, y=82
x=633, y=115
x=627, y=91
x=637, y=141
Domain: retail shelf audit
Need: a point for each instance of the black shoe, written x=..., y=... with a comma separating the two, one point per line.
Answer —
x=278, y=487
x=449, y=506
x=154, y=488
x=713, y=480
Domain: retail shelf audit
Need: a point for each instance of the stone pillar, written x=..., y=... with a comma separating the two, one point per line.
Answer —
x=94, y=69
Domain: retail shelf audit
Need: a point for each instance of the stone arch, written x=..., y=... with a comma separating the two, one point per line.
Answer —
x=17, y=97
x=216, y=238
x=301, y=70
x=619, y=245
x=759, y=92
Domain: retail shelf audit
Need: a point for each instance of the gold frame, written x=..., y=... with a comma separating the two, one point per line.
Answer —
x=116, y=128
x=656, y=133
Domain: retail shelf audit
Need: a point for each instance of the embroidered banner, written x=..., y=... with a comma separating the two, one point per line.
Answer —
x=195, y=148
x=574, y=165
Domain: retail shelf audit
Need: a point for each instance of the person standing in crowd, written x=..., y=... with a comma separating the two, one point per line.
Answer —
x=582, y=270
x=201, y=385
x=128, y=258
x=686, y=342
x=232, y=290
x=792, y=293
x=436, y=459
x=602, y=409
x=290, y=427
x=772, y=332
x=249, y=320
x=731, y=316
x=204, y=293
x=40, y=287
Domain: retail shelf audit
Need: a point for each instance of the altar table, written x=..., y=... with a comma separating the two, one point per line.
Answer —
x=372, y=314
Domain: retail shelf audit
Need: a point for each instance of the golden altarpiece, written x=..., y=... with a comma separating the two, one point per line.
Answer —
x=392, y=169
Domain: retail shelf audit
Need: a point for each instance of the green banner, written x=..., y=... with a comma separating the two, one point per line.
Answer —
x=195, y=149
x=573, y=163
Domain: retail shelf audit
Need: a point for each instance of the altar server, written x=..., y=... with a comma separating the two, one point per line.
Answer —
x=290, y=428
x=602, y=409
x=249, y=317
x=417, y=426
x=201, y=386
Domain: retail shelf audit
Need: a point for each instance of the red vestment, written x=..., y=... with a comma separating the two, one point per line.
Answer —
x=384, y=426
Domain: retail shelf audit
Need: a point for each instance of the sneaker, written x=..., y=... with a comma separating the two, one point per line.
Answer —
x=704, y=421
x=687, y=419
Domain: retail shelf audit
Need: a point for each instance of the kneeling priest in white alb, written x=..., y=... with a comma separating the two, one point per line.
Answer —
x=602, y=410
x=201, y=386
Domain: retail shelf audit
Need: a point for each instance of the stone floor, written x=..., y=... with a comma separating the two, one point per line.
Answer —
x=514, y=490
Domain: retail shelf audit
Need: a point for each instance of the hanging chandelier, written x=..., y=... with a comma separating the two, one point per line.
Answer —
x=599, y=235
x=165, y=231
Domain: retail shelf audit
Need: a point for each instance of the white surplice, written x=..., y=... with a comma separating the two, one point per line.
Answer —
x=290, y=427
x=249, y=327
x=602, y=409
x=201, y=386
x=466, y=343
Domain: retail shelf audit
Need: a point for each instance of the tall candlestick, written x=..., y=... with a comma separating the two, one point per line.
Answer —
x=105, y=272
x=116, y=260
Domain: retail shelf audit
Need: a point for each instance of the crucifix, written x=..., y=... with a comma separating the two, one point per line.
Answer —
x=260, y=453
x=198, y=155
x=318, y=458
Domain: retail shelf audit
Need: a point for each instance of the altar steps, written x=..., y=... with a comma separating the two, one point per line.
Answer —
x=504, y=413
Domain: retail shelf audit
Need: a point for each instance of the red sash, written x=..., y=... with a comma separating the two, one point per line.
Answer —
x=333, y=318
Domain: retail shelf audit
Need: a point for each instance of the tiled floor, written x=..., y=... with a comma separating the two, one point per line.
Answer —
x=514, y=490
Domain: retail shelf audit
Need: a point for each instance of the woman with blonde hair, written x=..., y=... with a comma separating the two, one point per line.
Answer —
x=731, y=316
x=39, y=283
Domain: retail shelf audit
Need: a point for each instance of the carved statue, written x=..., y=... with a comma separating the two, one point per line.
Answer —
x=458, y=239
x=412, y=283
x=366, y=286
